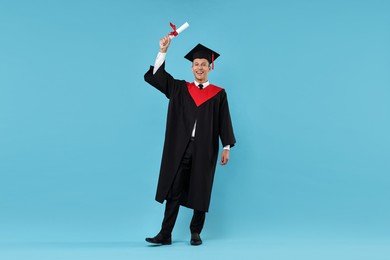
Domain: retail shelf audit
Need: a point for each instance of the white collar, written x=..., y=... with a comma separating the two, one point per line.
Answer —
x=204, y=84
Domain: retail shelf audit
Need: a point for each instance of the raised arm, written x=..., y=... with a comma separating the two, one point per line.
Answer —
x=164, y=44
x=158, y=77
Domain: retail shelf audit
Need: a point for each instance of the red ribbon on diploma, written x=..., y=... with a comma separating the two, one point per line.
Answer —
x=174, y=33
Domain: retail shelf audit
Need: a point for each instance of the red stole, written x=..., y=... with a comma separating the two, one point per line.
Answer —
x=202, y=95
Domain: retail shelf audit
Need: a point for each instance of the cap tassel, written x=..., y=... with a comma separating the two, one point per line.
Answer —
x=212, y=61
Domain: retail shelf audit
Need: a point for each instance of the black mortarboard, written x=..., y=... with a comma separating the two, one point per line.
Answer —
x=202, y=52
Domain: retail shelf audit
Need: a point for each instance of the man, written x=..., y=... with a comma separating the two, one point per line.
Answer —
x=198, y=114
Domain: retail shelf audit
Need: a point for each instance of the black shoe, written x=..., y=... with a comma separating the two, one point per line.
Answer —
x=195, y=239
x=159, y=240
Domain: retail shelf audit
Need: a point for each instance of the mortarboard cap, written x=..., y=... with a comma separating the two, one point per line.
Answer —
x=202, y=52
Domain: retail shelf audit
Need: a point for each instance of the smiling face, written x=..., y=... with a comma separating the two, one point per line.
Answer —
x=201, y=69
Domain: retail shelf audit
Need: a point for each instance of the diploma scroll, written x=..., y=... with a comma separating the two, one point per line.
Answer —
x=179, y=30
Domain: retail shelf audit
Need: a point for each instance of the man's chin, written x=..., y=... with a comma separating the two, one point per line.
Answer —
x=199, y=79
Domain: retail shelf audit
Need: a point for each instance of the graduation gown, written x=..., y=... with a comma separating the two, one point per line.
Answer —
x=187, y=104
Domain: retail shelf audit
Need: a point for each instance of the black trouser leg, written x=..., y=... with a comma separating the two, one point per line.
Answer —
x=170, y=216
x=197, y=221
x=179, y=184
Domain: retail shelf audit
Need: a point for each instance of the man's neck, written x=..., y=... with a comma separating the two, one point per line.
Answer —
x=202, y=81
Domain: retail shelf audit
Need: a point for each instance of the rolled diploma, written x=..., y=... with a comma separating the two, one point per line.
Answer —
x=180, y=29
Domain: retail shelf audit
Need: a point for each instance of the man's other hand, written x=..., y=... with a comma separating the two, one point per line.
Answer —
x=224, y=157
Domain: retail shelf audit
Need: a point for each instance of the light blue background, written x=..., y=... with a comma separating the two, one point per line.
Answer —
x=81, y=133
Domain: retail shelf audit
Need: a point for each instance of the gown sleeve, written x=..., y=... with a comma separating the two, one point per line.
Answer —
x=225, y=123
x=163, y=81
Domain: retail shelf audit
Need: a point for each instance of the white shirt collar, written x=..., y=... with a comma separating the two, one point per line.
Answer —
x=204, y=84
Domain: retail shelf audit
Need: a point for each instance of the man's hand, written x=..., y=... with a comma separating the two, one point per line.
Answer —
x=224, y=157
x=164, y=43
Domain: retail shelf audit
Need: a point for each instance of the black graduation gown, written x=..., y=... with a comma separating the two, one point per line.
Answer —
x=213, y=122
